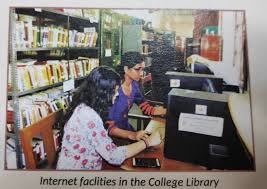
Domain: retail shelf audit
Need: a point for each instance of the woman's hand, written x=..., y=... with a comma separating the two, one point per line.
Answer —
x=160, y=111
x=139, y=135
x=154, y=139
x=134, y=148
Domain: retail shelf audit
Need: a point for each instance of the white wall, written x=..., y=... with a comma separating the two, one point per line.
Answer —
x=230, y=68
x=138, y=13
x=180, y=21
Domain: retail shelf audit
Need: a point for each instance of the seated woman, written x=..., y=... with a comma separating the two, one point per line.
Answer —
x=131, y=69
x=83, y=139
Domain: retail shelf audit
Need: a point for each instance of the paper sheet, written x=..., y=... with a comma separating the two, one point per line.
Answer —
x=207, y=125
x=154, y=126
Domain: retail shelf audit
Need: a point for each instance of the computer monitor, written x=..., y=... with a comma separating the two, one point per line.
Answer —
x=199, y=82
x=199, y=130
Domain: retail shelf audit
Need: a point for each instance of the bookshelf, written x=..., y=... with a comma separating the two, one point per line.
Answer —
x=111, y=37
x=148, y=38
x=48, y=47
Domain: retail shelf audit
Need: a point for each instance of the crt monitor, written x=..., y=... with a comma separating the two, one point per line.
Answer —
x=199, y=130
x=183, y=80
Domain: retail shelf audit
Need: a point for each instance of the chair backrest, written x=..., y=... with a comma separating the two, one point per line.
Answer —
x=44, y=127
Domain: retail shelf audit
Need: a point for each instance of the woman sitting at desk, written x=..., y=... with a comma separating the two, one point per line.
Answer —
x=83, y=138
x=131, y=68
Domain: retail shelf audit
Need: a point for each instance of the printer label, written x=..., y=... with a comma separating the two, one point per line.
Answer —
x=201, y=109
x=207, y=125
x=174, y=83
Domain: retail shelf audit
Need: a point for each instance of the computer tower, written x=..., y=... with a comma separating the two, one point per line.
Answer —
x=214, y=151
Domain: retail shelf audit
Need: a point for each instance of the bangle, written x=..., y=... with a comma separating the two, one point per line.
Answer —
x=146, y=143
x=110, y=129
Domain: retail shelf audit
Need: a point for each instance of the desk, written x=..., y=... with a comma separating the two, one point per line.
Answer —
x=166, y=164
x=157, y=152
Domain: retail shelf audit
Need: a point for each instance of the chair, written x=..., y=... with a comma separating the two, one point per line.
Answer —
x=44, y=128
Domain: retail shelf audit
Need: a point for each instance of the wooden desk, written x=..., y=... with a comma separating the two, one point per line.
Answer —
x=157, y=152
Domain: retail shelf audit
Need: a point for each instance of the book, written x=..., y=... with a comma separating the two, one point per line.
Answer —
x=34, y=107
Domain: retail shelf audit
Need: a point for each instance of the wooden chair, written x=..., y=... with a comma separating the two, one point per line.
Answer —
x=44, y=128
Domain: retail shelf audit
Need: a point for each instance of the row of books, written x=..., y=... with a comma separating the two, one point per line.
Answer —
x=32, y=36
x=83, y=39
x=82, y=67
x=34, y=107
x=32, y=74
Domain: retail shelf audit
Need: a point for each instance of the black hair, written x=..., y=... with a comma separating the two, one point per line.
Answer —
x=96, y=91
x=129, y=59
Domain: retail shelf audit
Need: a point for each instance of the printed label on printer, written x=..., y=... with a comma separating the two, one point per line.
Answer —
x=207, y=125
x=201, y=109
x=174, y=82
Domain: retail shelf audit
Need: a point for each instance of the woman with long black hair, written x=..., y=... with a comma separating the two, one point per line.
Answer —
x=83, y=138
